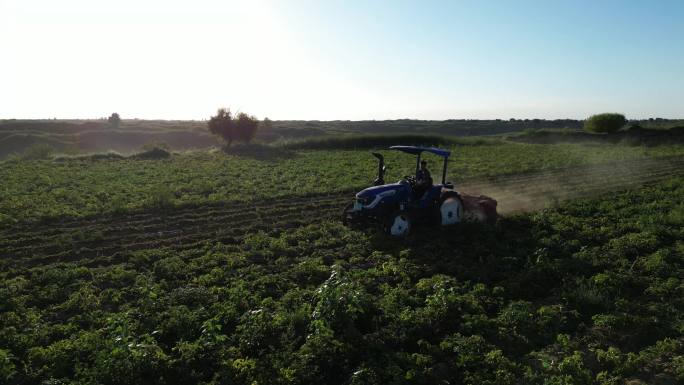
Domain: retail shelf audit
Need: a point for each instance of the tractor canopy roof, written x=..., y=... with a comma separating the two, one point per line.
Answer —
x=417, y=150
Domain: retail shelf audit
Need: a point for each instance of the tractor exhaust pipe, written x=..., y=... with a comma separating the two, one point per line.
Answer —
x=381, y=170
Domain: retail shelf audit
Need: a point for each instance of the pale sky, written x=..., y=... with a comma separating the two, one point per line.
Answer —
x=350, y=59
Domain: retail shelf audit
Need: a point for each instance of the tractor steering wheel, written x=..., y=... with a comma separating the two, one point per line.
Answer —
x=410, y=179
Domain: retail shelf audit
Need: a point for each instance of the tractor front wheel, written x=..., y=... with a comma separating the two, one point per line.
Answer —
x=450, y=209
x=346, y=214
x=398, y=224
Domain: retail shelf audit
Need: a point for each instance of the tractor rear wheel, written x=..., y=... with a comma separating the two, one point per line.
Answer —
x=450, y=209
x=398, y=224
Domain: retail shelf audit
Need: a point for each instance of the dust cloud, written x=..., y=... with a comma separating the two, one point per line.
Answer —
x=535, y=191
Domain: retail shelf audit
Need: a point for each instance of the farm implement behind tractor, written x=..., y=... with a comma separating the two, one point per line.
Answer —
x=399, y=206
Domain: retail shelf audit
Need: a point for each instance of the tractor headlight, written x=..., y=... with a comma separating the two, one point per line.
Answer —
x=357, y=205
x=363, y=201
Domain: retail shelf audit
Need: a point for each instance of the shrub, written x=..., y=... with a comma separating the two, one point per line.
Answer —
x=114, y=119
x=151, y=146
x=109, y=155
x=37, y=151
x=151, y=154
x=605, y=123
x=266, y=124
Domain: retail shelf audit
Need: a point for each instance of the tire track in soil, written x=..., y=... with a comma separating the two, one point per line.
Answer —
x=72, y=239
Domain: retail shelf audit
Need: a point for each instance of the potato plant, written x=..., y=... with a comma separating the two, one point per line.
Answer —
x=588, y=292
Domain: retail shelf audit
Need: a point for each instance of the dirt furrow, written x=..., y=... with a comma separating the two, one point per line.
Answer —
x=152, y=216
x=160, y=224
x=170, y=238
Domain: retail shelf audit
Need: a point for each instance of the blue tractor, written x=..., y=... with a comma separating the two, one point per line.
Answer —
x=398, y=206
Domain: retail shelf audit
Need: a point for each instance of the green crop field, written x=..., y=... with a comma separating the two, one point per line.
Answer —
x=207, y=267
x=35, y=189
x=341, y=192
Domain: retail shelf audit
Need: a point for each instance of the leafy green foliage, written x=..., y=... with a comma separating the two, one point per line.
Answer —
x=605, y=123
x=37, y=152
x=588, y=292
x=7, y=368
x=79, y=187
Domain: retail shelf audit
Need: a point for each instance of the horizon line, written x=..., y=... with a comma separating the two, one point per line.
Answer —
x=512, y=119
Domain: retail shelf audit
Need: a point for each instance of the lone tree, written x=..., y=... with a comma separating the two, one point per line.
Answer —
x=241, y=127
x=222, y=125
x=266, y=124
x=245, y=127
x=114, y=119
x=605, y=123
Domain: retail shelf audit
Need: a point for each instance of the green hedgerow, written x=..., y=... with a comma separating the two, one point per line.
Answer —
x=605, y=123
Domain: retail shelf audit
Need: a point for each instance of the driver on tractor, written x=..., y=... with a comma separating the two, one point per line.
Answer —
x=423, y=179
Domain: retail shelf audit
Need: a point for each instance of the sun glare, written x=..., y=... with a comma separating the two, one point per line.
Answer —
x=182, y=63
